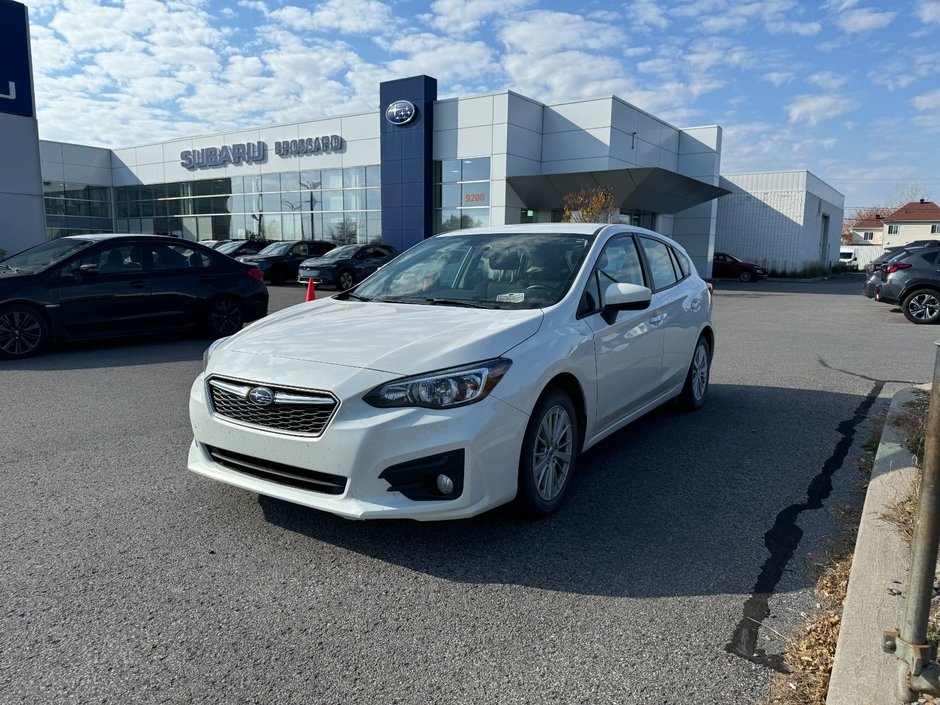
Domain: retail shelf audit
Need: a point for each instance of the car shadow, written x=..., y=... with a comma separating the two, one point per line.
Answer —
x=675, y=504
x=119, y=352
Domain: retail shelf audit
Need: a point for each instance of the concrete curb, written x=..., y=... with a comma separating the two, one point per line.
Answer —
x=862, y=674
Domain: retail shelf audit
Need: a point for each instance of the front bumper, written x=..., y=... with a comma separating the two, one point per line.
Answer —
x=319, y=276
x=361, y=442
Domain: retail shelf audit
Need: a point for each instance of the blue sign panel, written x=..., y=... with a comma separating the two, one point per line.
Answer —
x=16, y=86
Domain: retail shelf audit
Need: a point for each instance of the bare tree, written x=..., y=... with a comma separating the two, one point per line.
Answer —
x=344, y=233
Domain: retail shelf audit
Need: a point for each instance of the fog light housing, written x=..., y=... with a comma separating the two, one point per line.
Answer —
x=433, y=477
x=444, y=484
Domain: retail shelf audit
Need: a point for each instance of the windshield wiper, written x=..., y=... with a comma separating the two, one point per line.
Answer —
x=12, y=269
x=350, y=295
x=460, y=302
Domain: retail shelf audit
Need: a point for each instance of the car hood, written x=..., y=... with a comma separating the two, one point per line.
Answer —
x=256, y=258
x=320, y=262
x=401, y=339
x=7, y=275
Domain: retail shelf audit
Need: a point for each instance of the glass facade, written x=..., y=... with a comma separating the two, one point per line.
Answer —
x=76, y=209
x=343, y=205
x=461, y=194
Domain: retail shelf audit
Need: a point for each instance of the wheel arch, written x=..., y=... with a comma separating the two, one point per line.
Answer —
x=51, y=323
x=569, y=384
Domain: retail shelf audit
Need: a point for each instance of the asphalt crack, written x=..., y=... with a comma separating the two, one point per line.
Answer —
x=782, y=540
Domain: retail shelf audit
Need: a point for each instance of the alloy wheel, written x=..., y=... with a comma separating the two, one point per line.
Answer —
x=700, y=371
x=225, y=317
x=924, y=307
x=20, y=333
x=345, y=280
x=554, y=447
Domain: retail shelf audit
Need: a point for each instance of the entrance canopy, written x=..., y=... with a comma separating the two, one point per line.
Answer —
x=645, y=188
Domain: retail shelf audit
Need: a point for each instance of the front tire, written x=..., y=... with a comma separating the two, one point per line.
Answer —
x=346, y=280
x=224, y=317
x=695, y=390
x=23, y=332
x=922, y=306
x=745, y=276
x=549, y=455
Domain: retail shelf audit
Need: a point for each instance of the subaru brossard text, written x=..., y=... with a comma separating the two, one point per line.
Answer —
x=469, y=371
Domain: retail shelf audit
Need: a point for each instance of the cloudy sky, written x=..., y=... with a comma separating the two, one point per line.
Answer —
x=849, y=89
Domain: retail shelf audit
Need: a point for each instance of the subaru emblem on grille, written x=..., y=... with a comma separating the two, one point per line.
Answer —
x=262, y=396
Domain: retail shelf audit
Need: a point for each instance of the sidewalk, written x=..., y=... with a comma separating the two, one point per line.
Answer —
x=862, y=674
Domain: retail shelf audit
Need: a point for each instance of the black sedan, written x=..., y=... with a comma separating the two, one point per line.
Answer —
x=279, y=261
x=346, y=266
x=95, y=286
x=238, y=248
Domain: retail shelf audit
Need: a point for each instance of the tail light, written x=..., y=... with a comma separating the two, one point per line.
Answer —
x=256, y=273
x=892, y=268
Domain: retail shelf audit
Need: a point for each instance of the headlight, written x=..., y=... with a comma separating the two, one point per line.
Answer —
x=444, y=389
x=208, y=352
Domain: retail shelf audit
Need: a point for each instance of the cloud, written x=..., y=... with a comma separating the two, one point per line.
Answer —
x=863, y=20
x=346, y=16
x=929, y=11
x=646, y=15
x=778, y=78
x=465, y=16
x=813, y=109
x=828, y=80
x=927, y=101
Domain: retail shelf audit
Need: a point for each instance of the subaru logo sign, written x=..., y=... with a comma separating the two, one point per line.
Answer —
x=262, y=396
x=400, y=112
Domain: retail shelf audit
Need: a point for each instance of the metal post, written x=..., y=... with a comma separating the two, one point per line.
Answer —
x=918, y=670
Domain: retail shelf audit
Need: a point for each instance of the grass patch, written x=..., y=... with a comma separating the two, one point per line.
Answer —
x=911, y=422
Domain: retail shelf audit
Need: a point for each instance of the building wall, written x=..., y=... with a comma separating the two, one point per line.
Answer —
x=694, y=228
x=23, y=222
x=776, y=219
x=908, y=232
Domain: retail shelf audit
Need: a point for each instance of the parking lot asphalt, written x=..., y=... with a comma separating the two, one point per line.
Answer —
x=683, y=552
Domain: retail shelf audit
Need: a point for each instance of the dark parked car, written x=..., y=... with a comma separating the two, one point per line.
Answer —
x=345, y=266
x=279, y=261
x=237, y=248
x=214, y=244
x=725, y=266
x=912, y=280
x=94, y=286
x=872, y=269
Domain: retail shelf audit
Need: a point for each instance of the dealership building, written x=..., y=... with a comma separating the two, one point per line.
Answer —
x=416, y=167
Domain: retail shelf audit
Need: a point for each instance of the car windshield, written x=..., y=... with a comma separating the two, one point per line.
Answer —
x=45, y=255
x=229, y=247
x=340, y=252
x=495, y=270
x=276, y=248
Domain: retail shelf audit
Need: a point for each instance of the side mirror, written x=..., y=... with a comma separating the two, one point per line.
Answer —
x=84, y=270
x=625, y=297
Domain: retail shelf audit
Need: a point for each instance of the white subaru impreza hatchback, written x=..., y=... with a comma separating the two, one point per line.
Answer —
x=470, y=371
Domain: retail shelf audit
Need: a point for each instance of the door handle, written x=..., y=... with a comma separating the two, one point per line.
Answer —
x=207, y=278
x=138, y=284
x=656, y=320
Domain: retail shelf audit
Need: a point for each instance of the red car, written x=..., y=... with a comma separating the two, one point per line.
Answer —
x=725, y=266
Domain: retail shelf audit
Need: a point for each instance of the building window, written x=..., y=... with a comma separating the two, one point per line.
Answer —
x=868, y=235
x=935, y=228
x=343, y=205
x=76, y=209
x=892, y=230
x=461, y=194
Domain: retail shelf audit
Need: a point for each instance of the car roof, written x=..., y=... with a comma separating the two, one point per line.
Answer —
x=97, y=237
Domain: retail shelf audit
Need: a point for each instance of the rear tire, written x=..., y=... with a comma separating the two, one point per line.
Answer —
x=549, y=455
x=922, y=306
x=224, y=317
x=695, y=390
x=23, y=332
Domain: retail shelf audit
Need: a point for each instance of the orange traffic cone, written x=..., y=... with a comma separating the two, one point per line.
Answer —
x=311, y=292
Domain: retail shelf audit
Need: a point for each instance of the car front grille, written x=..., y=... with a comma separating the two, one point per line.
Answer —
x=289, y=475
x=296, y=412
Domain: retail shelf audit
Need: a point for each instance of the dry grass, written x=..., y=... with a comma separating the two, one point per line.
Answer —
x=911, y=423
